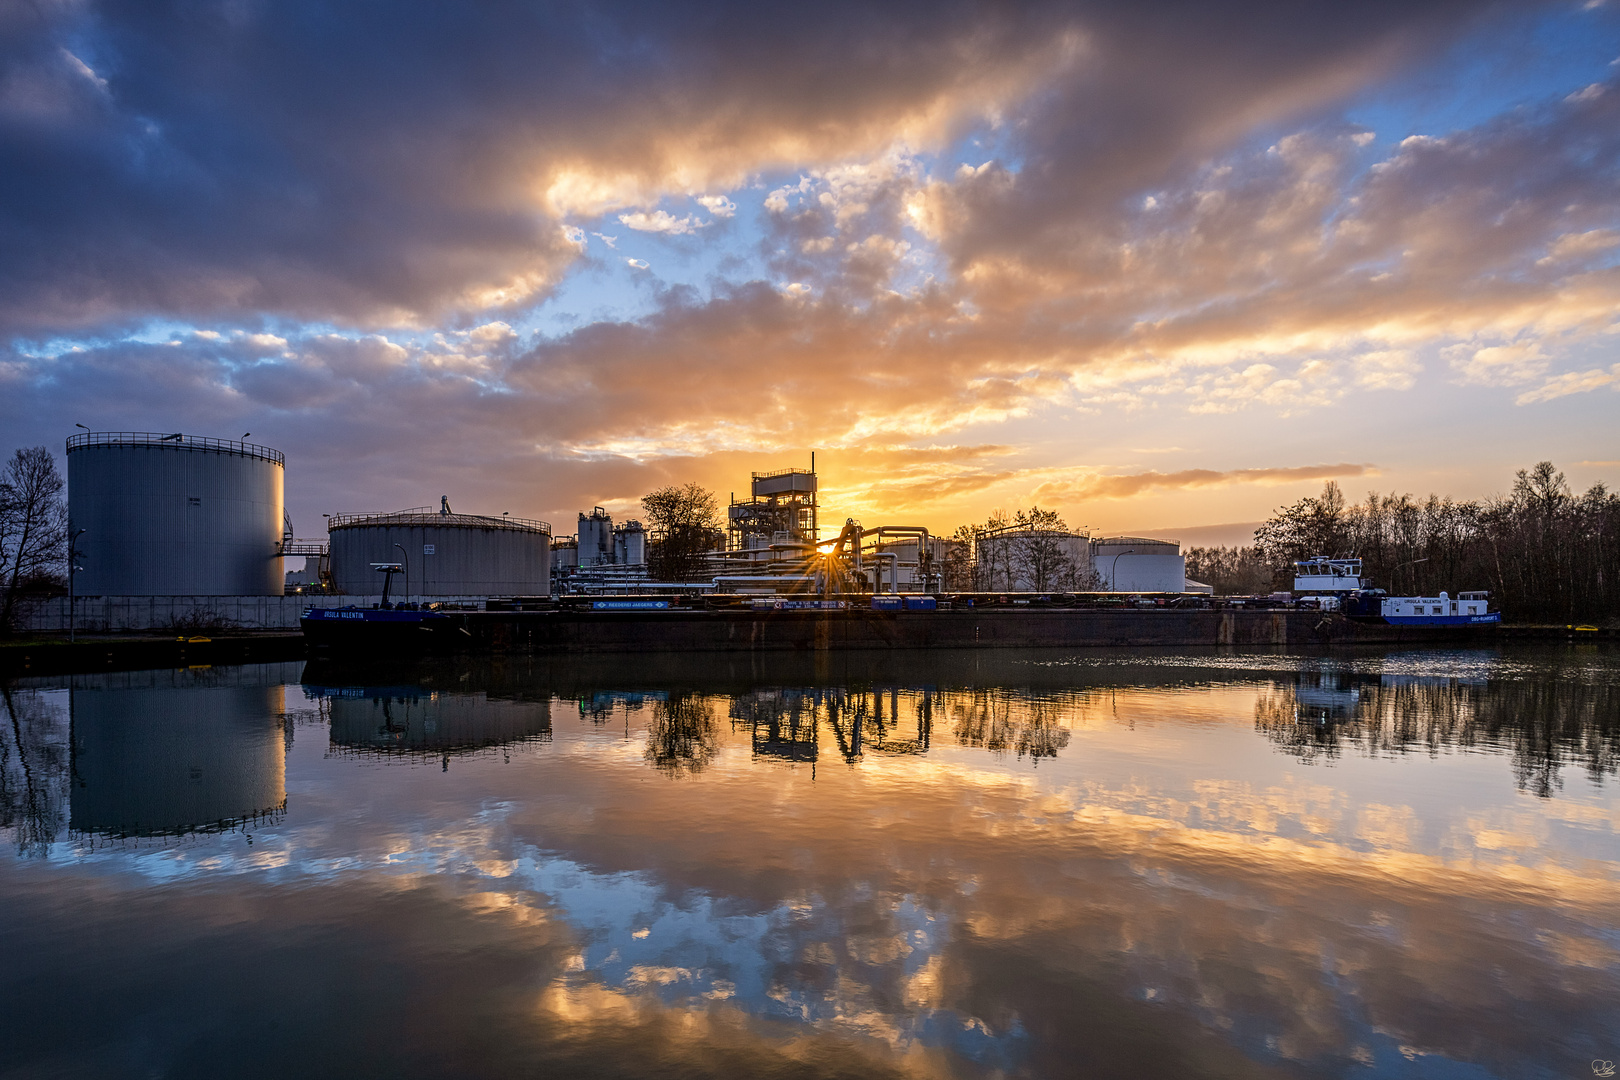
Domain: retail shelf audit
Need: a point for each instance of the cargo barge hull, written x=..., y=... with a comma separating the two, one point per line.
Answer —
x=683, y=630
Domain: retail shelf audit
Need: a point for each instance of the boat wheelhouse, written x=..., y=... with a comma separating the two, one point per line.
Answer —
x=1321, y=574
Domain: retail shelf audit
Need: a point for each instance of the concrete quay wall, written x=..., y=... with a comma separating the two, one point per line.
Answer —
x=734, y=631
x=111, y=614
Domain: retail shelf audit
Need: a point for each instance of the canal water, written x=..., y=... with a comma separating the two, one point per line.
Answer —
x=1177, y=864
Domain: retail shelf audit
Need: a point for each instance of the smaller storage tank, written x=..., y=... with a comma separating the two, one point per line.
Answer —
x=444, y=553
x=595, y=538
x=1137, y=564
x=630, y=544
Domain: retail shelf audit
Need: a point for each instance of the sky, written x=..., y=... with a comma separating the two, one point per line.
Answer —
x=1156, y=267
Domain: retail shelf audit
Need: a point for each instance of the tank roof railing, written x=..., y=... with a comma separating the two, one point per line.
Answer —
x=176, y=440
x=1030, y=530
x=423, y=515
x=1115, y=541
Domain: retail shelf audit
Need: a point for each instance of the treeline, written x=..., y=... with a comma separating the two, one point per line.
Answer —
x=1230, y=571
x=1544, y=552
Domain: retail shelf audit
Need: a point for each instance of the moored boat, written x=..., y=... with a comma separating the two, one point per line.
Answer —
x=1339, y=583
x=1464, y=609
x=387, y=627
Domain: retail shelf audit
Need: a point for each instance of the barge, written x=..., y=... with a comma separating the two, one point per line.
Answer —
x=1337, y=585
x=673, y=624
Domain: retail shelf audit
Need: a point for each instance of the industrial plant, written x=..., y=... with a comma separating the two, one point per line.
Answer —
x=179, y=515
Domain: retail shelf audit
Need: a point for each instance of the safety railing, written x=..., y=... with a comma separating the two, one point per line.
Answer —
x=425, y=516
x=177, y=440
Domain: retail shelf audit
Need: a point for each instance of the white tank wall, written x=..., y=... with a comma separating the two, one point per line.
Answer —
x=1159, y=568
x=467, y=560
x=165, y=518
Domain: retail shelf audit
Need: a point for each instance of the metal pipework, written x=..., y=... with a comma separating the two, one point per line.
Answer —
x=917, y=531
x=894, y=571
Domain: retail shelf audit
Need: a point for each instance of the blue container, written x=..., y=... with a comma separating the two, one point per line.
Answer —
x=921, y=603
x=888, y=603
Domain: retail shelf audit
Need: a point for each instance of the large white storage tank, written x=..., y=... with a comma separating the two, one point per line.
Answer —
x=444, y=554
x=175, y=515
x=1137, y=564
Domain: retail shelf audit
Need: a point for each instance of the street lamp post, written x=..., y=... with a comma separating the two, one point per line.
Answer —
x=407, y=564
x=73, y=558
x=1113, y=570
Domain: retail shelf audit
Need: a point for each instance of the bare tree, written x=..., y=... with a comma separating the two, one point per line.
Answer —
x=685, y=528
x=33, y=530
x=1042, y=554
x=992, y=555
x=1229, y=571
x=956, y=569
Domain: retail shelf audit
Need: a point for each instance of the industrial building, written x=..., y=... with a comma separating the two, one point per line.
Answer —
x=781, y=507
x=602, y=556
x=175, y=514
x=443, y=553
x=180, y=516
x=599, y=542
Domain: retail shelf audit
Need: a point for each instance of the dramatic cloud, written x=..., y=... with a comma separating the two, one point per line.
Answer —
x=517, y=249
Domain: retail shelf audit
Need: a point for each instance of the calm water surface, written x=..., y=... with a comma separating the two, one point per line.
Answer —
x=1211, y=864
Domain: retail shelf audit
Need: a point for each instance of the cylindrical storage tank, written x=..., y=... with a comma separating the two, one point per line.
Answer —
x=595, y=538
x=630, y=544
x=1137, y=564
x=167, y=515
x=443, y=554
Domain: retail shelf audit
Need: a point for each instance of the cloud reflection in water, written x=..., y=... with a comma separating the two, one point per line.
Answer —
x=1219, y=865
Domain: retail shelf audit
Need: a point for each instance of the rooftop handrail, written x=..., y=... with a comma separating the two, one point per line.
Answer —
x=1029, y=530
x=178, y=440
x=781, y=472
x=1114, y=541
x=425, y=516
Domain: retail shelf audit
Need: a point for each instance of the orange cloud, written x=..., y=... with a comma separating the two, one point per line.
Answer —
x=1122, y=487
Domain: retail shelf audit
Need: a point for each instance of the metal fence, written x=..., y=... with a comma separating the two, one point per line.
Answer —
x=176, y=440
x=429, y=517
